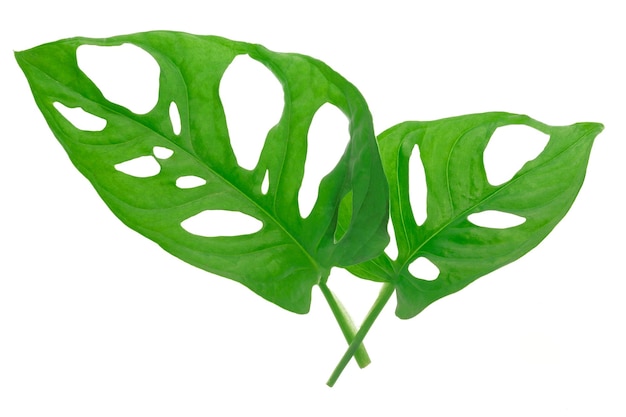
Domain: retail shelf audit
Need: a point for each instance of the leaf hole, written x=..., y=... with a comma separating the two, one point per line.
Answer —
x=494, y=219
x=126, y=74
x=175, y=118
x=392, y=248
x=190, y=181
x=161, y=152
x=265, y=185
x=509, y=148
x=80, y=118
x=214, y=223
x=253, y=102
x=327, y=139
x=423, y=268
x=417, y=187
x=141, y=167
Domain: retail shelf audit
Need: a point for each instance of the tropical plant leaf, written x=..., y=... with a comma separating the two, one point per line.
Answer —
x=285, y=255
x=194, y=172
x=451, y=151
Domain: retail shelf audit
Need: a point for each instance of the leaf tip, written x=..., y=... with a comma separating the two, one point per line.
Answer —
x=593, y=128
x=18, y=55
x=22, y=57
x=599, y=127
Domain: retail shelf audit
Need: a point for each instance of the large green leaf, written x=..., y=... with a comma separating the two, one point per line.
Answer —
x=451, y=151
x=289, y=254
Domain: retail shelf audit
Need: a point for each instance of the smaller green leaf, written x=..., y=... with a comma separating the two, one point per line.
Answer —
x=453, y=238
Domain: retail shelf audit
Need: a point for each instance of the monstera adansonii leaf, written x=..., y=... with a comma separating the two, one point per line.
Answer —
x=451, y=151
x=286, y=255
x=462, y=249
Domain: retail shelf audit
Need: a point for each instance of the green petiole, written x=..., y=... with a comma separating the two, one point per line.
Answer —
x=346, y=324
x=385, y=293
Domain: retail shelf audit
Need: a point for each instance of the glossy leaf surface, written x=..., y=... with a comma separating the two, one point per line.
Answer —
x=197, y=171
x=451, y=151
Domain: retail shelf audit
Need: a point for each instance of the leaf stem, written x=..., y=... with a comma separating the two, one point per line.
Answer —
x=345, y=324
x=385, y=293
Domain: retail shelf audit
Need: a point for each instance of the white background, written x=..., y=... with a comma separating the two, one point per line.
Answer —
x=96, y=320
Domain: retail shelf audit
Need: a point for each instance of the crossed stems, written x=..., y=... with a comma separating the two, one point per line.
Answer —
x=354, y=338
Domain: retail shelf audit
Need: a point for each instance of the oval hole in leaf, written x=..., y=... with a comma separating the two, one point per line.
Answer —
x=417, y=186
x=80, y=118
x=161, y=152
x=494, y=219
x=175, y=118
x=190, y=181
x=214, y=223
x=141, y=167
x=423, y=268
x=392, y=248
x=253, y=102
x=327, y=139
x=509, y=148
x=265, y=185
x=126, y=74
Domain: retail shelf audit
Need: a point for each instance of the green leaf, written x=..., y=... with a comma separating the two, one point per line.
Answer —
x=451, y=151
x=285, y=255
